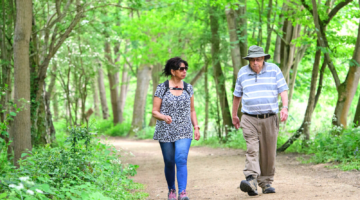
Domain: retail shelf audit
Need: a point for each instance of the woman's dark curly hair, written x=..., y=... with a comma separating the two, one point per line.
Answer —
x=173, y=63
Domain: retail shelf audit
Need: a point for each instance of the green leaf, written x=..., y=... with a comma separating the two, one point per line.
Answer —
x=4, y=133
x=24, y=154
x=13, y=114
x=3, y=195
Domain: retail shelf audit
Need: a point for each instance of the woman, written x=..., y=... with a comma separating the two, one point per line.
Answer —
x=174, y=110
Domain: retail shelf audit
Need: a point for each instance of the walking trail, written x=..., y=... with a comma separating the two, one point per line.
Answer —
x=215, y=173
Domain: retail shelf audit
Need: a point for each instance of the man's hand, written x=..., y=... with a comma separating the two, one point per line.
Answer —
x=284, y=114
x=236, y=122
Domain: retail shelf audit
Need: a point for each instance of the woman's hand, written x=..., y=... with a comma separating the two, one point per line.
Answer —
x=197, y=134
x=167, y=119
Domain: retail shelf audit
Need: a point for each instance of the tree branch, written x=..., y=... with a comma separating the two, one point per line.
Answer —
x=335, y=10
x=277, y=33
x=115, y=5
x=198, y=75
x=324, y=43
x=60, y=17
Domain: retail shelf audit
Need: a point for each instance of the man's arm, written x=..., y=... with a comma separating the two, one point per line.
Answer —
x=284, y=111
x=235, y=118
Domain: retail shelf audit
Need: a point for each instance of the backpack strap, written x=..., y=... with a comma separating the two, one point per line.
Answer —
x=166, y=83
x=186, y=87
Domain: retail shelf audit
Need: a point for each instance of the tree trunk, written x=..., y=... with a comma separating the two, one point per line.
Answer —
x=104, y=106
x=155, y=75
x=22, y=123
x=347, y=89
x=277, y=50
x=218, y=74
x=142, y=84
x=320, y=85
x=234, y=43
x=125, y=78
x=287, y=50
x=261, y=10
x=311, y=102
x=268, y=27
x=55, y=105
x=112, y=84
x=48, y=94
x=96, y=99
x=5, y=80
x=278, y=42
x=242, y=29
x=45, y=128
x=52, y=133
x=305, y=126
x=299, y=55
x=207, y=98
x=357, y=114
x=41, y=138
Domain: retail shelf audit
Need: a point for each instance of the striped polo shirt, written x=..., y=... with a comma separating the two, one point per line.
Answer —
x=260, y=92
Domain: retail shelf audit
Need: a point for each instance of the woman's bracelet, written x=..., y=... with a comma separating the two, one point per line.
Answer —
x=197, y=126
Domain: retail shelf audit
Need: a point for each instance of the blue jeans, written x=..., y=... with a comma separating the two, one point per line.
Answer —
x=176, y=153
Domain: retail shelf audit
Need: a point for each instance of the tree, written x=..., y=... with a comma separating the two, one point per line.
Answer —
x=142, y=85
x=234, y=42
x=22, y=123
x=218, y=74
x=104, y=106
x=321, y=41
x=346, y=90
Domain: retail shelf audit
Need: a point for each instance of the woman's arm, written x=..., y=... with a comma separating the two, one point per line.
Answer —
x=156, y=111
x=194, y=119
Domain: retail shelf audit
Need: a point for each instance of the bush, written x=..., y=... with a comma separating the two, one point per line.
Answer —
x=80, y=169
x=107, y=127
x=341, y=149
x=146, y=133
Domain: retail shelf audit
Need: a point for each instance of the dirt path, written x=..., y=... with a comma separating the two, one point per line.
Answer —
x=216, y=174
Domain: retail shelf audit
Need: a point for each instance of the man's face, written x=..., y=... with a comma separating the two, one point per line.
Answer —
x=256, y=64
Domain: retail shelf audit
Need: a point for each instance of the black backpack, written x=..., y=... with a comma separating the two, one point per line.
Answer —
x=166, y=83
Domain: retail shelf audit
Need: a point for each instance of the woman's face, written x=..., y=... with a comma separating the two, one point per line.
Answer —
x=181, y=72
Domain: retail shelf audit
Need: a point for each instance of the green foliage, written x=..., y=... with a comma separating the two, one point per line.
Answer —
x=81, y=168
x=146, y=133
x=342, y=150
x=235, y=140
x=107, y=127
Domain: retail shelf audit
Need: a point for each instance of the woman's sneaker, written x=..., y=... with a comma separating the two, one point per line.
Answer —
x=183, y=196
x=172, y=195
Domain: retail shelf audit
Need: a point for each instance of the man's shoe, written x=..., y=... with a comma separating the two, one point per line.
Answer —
x=183, y=196
x=249, y=186
x=172, y=194
x=268, y=189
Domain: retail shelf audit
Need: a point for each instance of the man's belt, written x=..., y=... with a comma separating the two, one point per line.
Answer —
x=261, y=116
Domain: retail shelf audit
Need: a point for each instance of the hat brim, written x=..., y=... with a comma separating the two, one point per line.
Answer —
x=267, y=56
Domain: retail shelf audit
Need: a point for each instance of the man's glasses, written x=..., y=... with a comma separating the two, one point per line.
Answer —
x=256, y=59
x=183, y=68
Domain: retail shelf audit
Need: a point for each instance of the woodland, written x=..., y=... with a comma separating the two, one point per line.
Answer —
x=75, y=70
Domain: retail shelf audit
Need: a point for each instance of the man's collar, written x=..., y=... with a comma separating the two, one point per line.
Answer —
x=262, y=70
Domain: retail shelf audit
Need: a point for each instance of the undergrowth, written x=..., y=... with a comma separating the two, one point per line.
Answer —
x=80, y=167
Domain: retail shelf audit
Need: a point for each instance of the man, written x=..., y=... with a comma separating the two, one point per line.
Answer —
x=258, y=86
